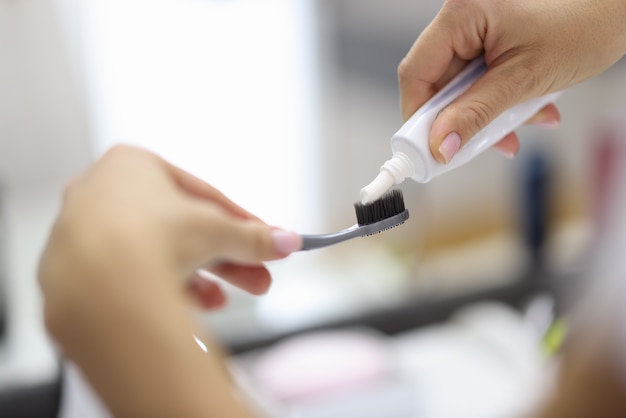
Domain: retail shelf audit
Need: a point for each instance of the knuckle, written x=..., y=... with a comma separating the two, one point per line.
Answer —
x=403, y=69
x=473, y=117
x=248, y=241
x=519, y=81
x=480, y=114
x=260, y=245
x=522, y=79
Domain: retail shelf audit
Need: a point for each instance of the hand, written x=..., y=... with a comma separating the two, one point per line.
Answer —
x=531, y=47
x=133, y=202
x=131, y=235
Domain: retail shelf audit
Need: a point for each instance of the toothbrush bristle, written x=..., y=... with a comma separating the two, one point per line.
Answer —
x=390, y=204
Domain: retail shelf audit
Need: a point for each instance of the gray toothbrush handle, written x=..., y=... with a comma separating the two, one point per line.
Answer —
x=311, y=242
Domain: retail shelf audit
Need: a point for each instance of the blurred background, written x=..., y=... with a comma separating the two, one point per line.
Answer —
x=287, y=106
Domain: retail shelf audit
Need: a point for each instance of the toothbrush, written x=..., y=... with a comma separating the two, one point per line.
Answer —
x=372, y=218
x=411, y=153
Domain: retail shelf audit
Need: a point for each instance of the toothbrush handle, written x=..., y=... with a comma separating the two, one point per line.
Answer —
x=312, y=242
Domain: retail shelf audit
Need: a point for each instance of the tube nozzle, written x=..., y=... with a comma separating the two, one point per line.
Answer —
x=394, y=171
x=378, y=187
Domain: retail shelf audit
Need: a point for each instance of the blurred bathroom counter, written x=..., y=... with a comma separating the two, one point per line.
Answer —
x=485, y=361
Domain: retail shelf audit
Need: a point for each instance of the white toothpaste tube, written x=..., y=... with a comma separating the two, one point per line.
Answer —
x=411, y=156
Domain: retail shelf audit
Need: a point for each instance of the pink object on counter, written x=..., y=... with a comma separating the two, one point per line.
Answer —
x=609, y=156
x=318, y=363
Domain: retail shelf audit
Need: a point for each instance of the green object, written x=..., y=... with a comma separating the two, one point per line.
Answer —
x=554, y=337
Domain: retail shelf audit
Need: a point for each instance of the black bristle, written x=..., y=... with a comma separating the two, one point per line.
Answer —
x=390, y=204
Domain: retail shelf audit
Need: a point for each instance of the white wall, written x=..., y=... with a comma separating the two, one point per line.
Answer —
x=44, y=135
x=44, y=140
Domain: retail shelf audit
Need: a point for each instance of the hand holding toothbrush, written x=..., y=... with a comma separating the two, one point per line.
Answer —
x=531, y=48
x=131, y=235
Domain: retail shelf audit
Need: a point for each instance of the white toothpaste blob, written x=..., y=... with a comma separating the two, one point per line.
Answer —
x=392, y=172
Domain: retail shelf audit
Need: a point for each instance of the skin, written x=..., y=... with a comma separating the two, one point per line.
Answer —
x=118, y=277
x=531, y=47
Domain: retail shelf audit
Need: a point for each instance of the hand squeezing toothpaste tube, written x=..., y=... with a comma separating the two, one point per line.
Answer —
x=412, y=157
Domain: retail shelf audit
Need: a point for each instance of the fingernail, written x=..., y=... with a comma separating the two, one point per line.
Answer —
x=286, y=242
x=508, y=154
x=450, y=146
x=549, y=123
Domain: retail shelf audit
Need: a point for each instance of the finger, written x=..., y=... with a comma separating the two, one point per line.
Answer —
x=437, y=55
x=419, y=81
x=206, y=293
x=243, y=241
x=189, y=183
x=548, y=117
x=254, y=279
x=508, y=146
x=422, y=68
x=202, y=190
x=500, y=88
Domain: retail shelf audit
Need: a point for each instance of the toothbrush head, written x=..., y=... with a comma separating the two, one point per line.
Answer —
x=381, y=214
x=372, y=218
x=387, y=206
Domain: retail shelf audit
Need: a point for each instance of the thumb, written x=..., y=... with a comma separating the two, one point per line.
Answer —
x=500, y=88
x=223, y=236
